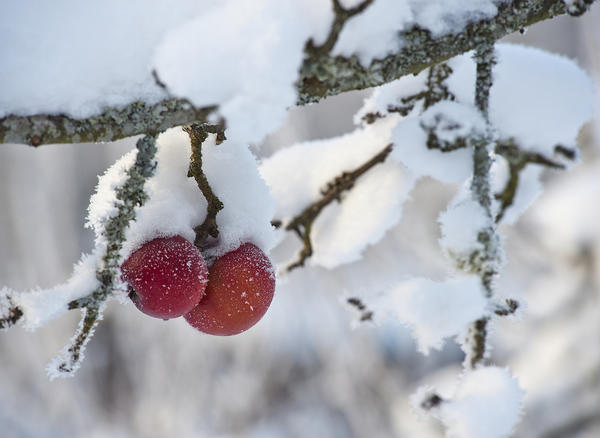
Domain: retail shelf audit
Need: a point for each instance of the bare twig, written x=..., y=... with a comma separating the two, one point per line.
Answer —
x=198, y=134
x=341, y=15
x=431, y=401
x=70, y=360
x=509, y=307
x=302, y=224
x=435, y=91
x=11, y=313
x=365, y=313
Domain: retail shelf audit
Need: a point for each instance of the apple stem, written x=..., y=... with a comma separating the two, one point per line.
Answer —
x=198, y=134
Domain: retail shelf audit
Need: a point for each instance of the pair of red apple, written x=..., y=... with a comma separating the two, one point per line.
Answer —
x=170, y=279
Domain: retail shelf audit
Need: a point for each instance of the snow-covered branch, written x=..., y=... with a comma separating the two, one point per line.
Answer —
x=323, y=72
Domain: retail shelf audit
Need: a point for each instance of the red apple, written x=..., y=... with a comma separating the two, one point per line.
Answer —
x=240, y=288
x=168, y=275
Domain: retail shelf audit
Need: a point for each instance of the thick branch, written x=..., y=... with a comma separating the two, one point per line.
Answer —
x=112, y=124
x=321, y=75
x=325, y=75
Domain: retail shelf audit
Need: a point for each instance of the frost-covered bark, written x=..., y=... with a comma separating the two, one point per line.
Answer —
x=321, y=74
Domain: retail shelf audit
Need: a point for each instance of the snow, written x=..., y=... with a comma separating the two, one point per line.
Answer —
x=554, y=99
x=569, y=212
x=443, y=16
x=343, y=230
x=538, y=98
x=374, y=33
x=93, y=54
x=487, y=404
x=64, y=365
x=449, y=121
x=529, y=188
x=42, y=305
x=253, y=91
x=434, y=310
x=460, y=225
x=390, y=95
x=176, y=204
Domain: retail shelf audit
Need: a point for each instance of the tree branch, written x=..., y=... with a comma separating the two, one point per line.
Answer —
x=321, y=75
x=517, y=160
x=302, y=224
x=484, y=261
x=113, y=124
x=324, y=75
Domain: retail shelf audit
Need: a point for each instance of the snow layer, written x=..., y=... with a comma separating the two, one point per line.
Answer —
x=176, y=204
x=460, y=225
x=487, y=404
x=375, y=33
x=343, y=230
x=42, y=305
x=434, y=310
x=449, y=121
x=367, y=212
x=75, y=57
x=569, y=214
x=529, y=188
x=538, y=98
x=245, y=57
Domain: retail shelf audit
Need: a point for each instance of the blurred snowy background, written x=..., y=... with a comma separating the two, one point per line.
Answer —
x=308, y=369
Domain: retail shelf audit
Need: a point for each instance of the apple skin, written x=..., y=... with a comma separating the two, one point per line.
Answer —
x=241, y=284
x=168, y=276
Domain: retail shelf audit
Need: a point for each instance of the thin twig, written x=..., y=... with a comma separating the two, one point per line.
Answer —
x=302, y=224
x=11, y=312
x=365, y=313
x=341, y=16
x=509, y=307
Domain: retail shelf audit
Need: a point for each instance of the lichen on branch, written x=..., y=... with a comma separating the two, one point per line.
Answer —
x=487, y=259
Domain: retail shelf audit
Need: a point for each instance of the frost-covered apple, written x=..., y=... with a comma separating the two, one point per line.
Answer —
x=240, y=289
x=168, y=276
